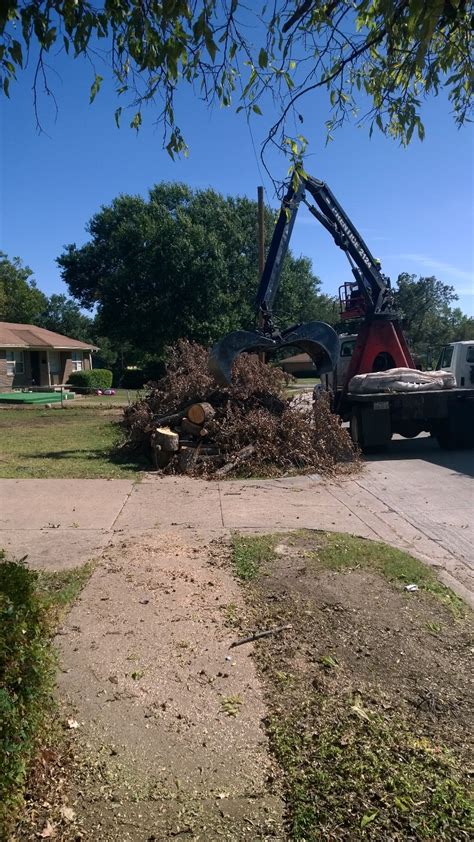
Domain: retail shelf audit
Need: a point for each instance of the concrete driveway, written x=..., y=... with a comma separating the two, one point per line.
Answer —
x=417, y=498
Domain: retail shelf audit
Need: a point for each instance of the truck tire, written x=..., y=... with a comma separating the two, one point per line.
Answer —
x=355, y=428
x=449, y=438
x=356, y=431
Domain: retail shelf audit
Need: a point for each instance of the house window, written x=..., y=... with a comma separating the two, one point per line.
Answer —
x=76, y=357
x=15, y=363
x=54, y=362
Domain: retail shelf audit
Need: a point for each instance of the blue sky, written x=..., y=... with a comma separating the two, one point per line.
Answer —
x=413, y=206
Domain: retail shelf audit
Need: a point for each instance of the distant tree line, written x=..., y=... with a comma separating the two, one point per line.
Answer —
x=184, y=262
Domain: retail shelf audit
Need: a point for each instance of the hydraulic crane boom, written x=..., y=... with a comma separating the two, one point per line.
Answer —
x=380, y=344
x=371, y=286
x=368, y=297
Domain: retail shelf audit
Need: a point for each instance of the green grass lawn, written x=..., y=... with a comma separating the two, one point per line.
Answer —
x=122, y=397
x=302, y=384
x=77, y=441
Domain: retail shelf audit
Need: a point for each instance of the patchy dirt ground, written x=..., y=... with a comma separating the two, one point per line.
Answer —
x=369, y=696
x=354, y=723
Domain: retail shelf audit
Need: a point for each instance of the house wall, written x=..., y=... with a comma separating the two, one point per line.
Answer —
x=305, y=368
x=8, y=382
x=19, y=379
x=5, y=379
x=68, y=369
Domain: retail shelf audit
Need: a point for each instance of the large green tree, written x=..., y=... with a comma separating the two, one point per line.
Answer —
x=21, y=301
x=20, y=298
x=65, y=316
x=182, y=263
x=375, y=59
x=429, y=318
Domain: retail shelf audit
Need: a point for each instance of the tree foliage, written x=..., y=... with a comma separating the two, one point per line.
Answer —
x=65, y=316
x=375, y=59
x=183, y=263
x=20, y=298
x=430, y=321
x=21, y=301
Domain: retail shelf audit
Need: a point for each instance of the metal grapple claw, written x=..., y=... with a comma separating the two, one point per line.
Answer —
x=317, y=339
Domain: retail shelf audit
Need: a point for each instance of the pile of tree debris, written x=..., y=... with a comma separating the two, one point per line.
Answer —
x=189, y=424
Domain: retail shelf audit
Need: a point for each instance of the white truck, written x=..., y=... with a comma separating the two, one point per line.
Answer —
x=458, y=358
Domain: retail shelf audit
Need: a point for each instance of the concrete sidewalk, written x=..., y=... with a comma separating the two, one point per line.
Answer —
x=420, y=500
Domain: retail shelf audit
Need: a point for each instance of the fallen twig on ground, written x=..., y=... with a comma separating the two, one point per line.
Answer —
x=258, y=634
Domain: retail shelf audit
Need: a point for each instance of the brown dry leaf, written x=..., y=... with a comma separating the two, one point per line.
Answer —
x=47, y=756
x=48, y=831
x=67, y=813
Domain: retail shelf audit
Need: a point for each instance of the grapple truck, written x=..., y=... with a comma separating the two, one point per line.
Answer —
x=379, y=346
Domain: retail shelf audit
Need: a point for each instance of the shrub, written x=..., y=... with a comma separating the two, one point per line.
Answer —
x=96, y=378
x=26, y=679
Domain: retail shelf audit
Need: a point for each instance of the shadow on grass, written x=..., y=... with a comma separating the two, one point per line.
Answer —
x=126, y=461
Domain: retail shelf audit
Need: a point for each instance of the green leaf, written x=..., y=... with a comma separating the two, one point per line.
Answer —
x=401, y=805
x=117, y=115
x=136, y=122
x=263, y=58
x=16, y=53
x=210, y=46
x=95, y=87
x=328, y=661
x=368, y=818
x=256, y=108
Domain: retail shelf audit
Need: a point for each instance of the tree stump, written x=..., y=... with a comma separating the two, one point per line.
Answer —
x=166, y=439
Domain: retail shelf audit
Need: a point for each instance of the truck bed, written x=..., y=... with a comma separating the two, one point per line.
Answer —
x=390, y=396
x=448, y=414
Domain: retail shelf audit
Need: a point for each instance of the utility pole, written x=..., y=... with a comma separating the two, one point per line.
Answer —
x=261, y=251
x=261, y=231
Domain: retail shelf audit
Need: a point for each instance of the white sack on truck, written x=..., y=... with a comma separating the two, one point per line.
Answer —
x=401, y=380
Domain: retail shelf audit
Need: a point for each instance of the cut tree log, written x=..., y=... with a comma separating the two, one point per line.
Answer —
x=166, y=439
x=187, y=457
x=194, y=429
x=198, y=413
x=167, y=420
x=235, y=461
